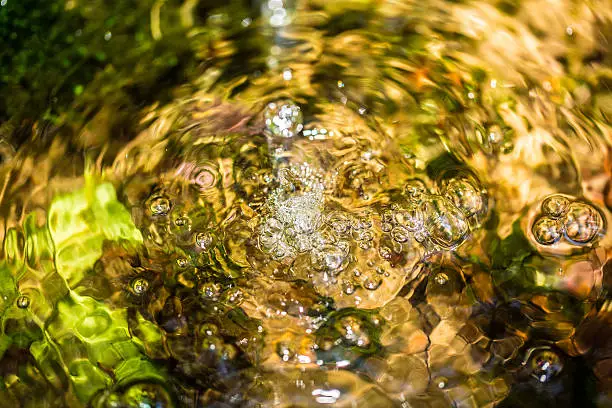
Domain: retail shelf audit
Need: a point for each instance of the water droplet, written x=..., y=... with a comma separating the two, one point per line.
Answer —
x=555, y=206
x=139, y=286
x=545, y=365
x=582, y=223
x=444, y=223
x=23, y=302
x=160, y=205
x=204, y=240
x=283, y=119
x=547, y=230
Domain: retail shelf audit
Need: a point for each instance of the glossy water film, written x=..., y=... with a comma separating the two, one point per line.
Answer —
x=305, y=203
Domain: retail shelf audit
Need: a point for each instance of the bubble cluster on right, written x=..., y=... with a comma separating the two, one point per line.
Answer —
x=563, y=218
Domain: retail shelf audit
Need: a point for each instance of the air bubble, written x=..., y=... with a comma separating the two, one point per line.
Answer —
x=385, y=252
x=582, y=223
x=339, y=222
x=209, y=290
x=364, y=236
x=182, y=221
x=182, y=262
x=555, y=206
x=465, y=196
x=160, y=205
x=372, y=284
x=329, y=258
x=440, y=382
x=547, y=231
x=445, y=224
x=545, y=365
x=441, y=278
x=204, y=240
x=410, y=218
x=415, y=189
x=283, y=119
x=23, y=302
x=284, y=351
x=139, y=286
x=400, y=234
x=348, y=288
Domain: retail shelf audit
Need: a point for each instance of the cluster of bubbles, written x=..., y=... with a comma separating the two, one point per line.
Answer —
x=575, y=220
x=283, y=119
x=437, y=220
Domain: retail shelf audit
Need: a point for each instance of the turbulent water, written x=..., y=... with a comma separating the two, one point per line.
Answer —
x=352, y=203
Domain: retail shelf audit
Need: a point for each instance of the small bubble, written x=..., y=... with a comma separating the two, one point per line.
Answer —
x=283, y=119
x=209, y=290
x=284, y=351
x=23, y=302
x=385, y=252
x=339, y=223
x=465, y=196
x=348, y=288
x=441, y=278
x=182, y=262
x=386, y=227
x=400, y=234
x=410, y=218
x=234, y=296
x=364, y=236
x=181, y=221
x=372, y=284
x=204, y=240
x=415, y=189
x=545, y=365
x=108, y=35
x=582, y=223
x=547, y=231
x=420, y=236
x=440, y=382
x=329, y=258
x=555, y=206
x=445, y=224
x=139, y=286
x=160, y=205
